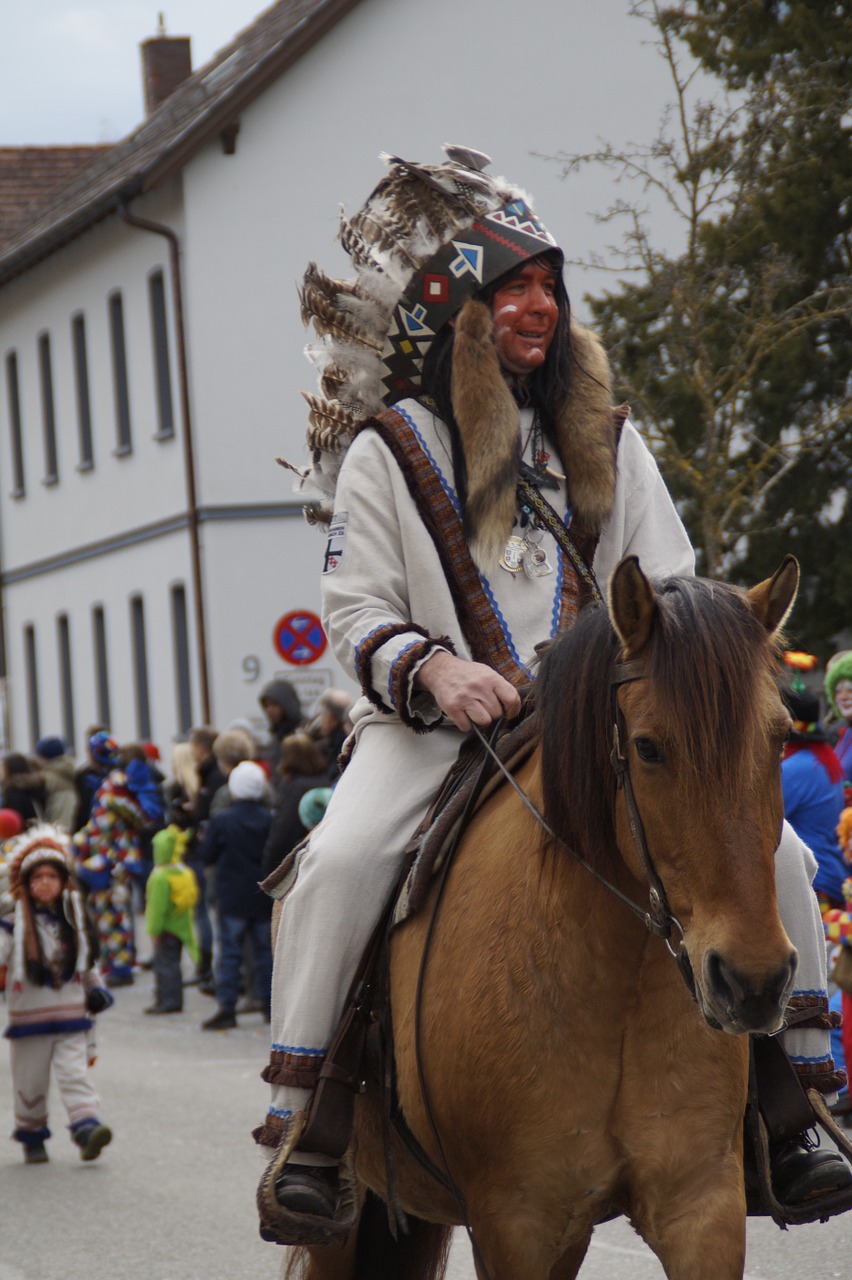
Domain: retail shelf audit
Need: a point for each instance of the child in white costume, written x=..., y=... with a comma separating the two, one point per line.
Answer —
x=52, y=989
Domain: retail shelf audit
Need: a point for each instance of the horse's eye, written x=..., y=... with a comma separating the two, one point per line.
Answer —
x=647, y=750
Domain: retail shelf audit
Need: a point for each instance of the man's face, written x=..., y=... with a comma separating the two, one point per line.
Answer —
x=525, y=317
x=274, y=713
x=45, y=884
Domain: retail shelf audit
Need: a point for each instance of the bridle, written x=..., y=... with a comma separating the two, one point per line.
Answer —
x=657, y=917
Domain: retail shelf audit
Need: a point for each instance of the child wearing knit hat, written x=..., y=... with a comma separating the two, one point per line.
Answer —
x=838, y=690
x=53, y=988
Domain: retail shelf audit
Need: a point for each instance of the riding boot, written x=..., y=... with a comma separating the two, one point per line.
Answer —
x=801, y=1171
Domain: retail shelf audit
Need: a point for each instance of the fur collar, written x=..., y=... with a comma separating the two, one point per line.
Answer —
x=487, y=418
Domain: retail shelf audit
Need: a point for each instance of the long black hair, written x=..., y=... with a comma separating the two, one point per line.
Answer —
x=545, y=389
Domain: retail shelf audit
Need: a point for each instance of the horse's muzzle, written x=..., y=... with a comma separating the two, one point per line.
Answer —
x=741, y=1004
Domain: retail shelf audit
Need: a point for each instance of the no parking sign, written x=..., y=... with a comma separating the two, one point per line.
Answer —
x=299, y=637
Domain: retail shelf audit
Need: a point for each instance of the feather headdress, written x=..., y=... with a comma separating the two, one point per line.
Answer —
x=428, y=238
x=41, y=843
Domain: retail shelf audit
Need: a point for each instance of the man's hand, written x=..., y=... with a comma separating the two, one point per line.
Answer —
x=468, y=692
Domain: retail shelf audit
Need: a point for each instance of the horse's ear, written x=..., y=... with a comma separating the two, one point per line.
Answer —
x=632, y=607
x=773, y=599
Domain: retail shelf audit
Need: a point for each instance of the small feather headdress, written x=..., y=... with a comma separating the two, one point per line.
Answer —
x=428, y=238
x=40, y=843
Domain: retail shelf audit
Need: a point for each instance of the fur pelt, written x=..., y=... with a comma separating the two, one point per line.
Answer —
x=487, y=418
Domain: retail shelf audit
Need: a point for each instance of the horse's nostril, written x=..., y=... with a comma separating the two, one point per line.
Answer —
x=716, y=972
x=739, y=994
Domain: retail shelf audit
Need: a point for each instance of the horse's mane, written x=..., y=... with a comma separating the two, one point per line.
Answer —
x=704, y=663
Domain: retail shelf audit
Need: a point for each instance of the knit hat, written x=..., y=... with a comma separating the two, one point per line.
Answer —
x=50, y=748
x=428, y=238
x=804, y=708
x=11, y=824
x=313, y=805
x=838, y=668
x=104, y=750
x=247, y=781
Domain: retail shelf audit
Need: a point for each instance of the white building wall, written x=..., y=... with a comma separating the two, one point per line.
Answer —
x=394, y=75
x=148, y=570
x=119, y=493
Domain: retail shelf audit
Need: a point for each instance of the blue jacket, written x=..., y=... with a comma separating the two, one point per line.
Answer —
x=812, y=804
x=233, y=842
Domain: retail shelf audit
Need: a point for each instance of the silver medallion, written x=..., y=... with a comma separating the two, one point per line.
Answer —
x=512, y=559
x=535, y=562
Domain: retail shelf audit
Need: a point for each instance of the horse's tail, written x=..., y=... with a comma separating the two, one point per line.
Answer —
x=421, y=1254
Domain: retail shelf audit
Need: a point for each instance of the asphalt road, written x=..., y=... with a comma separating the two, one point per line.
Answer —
x=173, y=1197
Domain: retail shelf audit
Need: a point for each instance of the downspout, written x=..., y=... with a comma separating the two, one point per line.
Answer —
x=158, y=228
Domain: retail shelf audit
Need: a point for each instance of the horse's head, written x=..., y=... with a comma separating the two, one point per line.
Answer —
x=701, y=730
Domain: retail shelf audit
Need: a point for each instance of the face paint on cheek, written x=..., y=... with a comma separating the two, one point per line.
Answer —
x=508, y=310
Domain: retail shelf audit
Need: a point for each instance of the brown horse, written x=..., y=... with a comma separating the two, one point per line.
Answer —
x=569, y=1072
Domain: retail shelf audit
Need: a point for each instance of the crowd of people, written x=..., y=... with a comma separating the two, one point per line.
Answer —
x=97, y=853
x=816, y=778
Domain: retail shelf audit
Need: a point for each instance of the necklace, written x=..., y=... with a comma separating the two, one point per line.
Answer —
x=523, y=552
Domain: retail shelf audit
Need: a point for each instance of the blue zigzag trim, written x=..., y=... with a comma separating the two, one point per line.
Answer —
x=824, y=1057
x=447, y=487
x=281, y=1115
x=292, y=1048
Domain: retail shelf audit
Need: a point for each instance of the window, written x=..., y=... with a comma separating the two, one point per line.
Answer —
x=140, y=668
x=162, y=364
x=31, y=675
x=101, y=668
x=15, y=424
x=119, y=374
x=48, y=414
x=81, y=378
x=66, y=683
x=180, y=634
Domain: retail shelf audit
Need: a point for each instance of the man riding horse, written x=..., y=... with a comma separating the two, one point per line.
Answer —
x=477, y=485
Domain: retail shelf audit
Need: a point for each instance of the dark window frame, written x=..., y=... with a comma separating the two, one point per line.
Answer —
x=120, y=381
x=183, y=672
x=16, y=438
x=66, y=679
x=48, y=409
x=141, y=683
x=84, y=399
x=101, y=656
x=162, y=356
x=31, y=676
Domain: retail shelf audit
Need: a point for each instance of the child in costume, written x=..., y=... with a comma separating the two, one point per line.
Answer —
x=110, y=854
x=53, y=988
x=170, y=897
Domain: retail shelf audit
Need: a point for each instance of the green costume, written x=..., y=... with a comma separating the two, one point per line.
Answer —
x=172, y=890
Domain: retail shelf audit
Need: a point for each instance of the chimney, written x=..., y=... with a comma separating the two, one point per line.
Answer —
x=166, y=63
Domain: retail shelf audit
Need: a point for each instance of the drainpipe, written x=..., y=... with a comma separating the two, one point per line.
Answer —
x=158, y=228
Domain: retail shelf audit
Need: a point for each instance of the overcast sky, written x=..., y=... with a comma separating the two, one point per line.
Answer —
x=70, y=72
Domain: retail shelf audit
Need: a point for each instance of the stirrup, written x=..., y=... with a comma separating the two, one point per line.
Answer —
x=821, y=1207
x=279, y=1225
